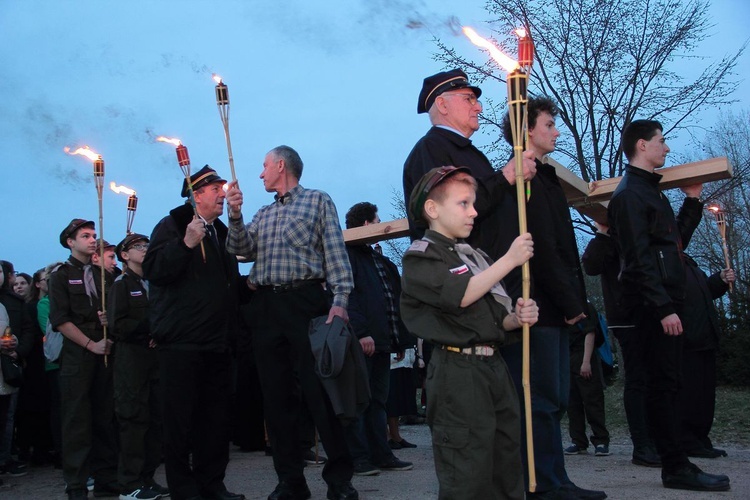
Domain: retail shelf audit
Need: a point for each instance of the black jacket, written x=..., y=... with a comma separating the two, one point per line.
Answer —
x=650, y=241
x=601, y=259
x=193, y=304
x=19, y=321
x=441, y=147
x=700, y=323
x=128, y=310
x=367, y=302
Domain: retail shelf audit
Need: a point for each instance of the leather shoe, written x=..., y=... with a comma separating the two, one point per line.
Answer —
x=581, y=493
x=290, y=491
x=342, y=491
x=647, y=457
x=690, y=477
x=224, y=495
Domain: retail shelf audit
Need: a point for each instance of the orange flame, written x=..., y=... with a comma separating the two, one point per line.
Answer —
x=504, y=61
x=216, y=78
x=521, y=32
x=121, y=189
x=174, y=141
x=84, y=151
x=714, y=208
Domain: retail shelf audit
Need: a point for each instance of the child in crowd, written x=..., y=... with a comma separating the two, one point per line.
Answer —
x=452, y=296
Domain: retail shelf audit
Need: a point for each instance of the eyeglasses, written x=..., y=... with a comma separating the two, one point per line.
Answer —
x=470, y=98
x=140, y=246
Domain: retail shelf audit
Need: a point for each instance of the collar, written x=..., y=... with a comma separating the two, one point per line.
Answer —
x=289, y=195
x=77, y=263
x=439, y=239
x=651, y=177
x=450, y=134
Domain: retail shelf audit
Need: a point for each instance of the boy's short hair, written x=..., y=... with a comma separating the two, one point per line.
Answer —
x=634, y=132
x=534, y=107
x=433, y=186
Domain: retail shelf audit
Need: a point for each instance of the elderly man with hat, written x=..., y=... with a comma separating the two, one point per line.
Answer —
x=89, y=445
x=136, y=377
x=453, y=106
x=194, y=288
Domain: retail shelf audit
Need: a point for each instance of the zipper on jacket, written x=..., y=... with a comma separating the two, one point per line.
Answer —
x=662, y=267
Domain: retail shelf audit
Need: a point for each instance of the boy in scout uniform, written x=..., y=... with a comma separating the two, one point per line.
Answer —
x=89, y=447
x=136, y=376
x=453, y=297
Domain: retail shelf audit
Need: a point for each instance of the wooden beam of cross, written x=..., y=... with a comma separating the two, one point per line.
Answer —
x=591, y=203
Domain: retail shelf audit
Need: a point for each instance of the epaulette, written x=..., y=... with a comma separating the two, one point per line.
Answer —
x=418, y=246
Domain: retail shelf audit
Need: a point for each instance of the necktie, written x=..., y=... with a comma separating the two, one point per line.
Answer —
x=477, y=263
x=212, y=234
x=88, y=282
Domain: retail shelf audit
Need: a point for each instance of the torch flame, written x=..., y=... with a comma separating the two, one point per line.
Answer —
x=84, y=151
x=216, y=78
x=521, y=32
x=121, y=189
x=504, y=61
x=713, y=208
x=174, y=141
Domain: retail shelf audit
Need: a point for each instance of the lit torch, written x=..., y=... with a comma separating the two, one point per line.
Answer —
x=222, y=101
x=99, y=182
x=517, y=80
x=183, y=160
x=132, y=204
x=721, y=225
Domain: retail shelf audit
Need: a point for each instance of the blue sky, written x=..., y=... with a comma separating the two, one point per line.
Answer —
x=337, y=80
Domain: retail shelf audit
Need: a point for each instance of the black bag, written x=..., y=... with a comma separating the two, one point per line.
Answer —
x=12, y=370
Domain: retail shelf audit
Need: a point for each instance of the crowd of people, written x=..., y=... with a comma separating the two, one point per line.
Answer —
x=126, y=369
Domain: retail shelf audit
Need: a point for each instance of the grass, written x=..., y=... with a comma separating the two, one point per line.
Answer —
x=731, y=421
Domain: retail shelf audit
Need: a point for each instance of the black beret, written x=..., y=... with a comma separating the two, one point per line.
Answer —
x=444, y=81
x=426, y=184
x=128, y=242
x=71, y=228
x=202, y=177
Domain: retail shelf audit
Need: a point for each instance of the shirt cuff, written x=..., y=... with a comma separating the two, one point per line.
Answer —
x=341, y=300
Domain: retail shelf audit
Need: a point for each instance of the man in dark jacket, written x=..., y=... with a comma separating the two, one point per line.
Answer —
x=557, y=287
x=453, y=106
x=375, y=319
x=193, y=298
x=697, y=398
x=600, y=258
x=650, y=242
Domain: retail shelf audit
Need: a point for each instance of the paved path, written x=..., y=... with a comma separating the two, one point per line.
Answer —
x=253, y=475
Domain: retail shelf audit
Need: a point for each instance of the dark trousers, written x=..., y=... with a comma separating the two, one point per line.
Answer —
x=89, y=442
x=138, y=410
x=55, y=418
x=367, y=437
x=633, y=345
x=279, y=322
x=248, y=427
x=472, y=410
x=550, y=389
x=697, y=399
x=664, y=361
x=587, y=403
x=195, y=387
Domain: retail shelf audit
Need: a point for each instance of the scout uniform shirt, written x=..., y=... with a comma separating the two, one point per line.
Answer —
x=70, y=302
x=434, y=283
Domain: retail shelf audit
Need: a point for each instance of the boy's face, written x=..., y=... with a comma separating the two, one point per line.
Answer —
x=136, y=253
x=84, y=243
x=654, y=151
x=453, y=217
x=543, y=137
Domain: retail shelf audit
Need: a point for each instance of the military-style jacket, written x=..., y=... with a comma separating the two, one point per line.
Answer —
x=69, y=302
x=128, y=309
x=434, y=281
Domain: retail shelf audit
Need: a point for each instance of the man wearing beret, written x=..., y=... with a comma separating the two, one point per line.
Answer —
x=136, y=377
x=453, y=107
x=89, y=445
x=194, y=289
x=297, y=246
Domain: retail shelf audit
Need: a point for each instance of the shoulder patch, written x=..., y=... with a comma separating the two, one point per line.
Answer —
x=418, y=246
